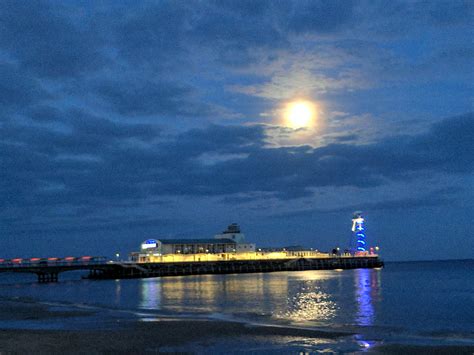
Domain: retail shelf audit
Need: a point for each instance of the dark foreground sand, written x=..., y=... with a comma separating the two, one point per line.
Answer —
x=423, y=349
x=144, y=338
x=126, y=336
x=163, y=335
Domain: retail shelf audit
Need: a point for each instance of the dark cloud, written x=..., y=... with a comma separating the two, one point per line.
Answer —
x=448, y=13
x=115, y=169
x=46, y=42
x=77, y=81
x=18, y=90
x=45, y=113
x=346, y=138
x=221, y=139
x=448, y=145
x=101, y=129
x=437, y=199
x=82, y=134
x=321, y=16
x=222, y=25
x=95, y=225
x=151, y=98
x=291, y=172
x=41, y=166
x=153, y=35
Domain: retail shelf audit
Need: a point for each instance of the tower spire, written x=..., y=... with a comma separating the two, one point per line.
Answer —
x=358, y=231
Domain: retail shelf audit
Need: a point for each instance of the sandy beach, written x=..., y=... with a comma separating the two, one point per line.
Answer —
x=168, y=335
x=144, y=338
x=129, y=336
x=174, y=336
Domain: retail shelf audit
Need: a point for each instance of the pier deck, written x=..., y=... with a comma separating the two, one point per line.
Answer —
x=132, y=270
x=120, y=270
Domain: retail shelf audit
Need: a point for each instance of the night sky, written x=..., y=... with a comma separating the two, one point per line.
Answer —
x=123, y=121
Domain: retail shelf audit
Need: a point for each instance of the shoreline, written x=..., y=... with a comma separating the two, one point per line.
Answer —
x=29, y=326
x=101, y=333
x=146, y=337
x=132, y=335
x=190, y=336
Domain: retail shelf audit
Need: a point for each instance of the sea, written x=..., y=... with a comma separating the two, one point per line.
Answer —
x=416, y=303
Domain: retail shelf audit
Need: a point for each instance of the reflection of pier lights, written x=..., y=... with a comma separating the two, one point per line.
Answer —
x=215, y=293
x=358, y=231
x=365, y=309
x=150, y=293
x=367, y=296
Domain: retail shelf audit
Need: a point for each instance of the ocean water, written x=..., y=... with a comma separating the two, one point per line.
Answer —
x=427, y=303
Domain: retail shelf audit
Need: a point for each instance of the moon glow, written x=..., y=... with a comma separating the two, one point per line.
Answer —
x=300, y=114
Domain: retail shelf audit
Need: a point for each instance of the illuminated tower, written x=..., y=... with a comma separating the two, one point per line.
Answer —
x=358, y=232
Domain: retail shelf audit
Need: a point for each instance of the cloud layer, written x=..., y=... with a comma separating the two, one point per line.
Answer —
x=116, y=113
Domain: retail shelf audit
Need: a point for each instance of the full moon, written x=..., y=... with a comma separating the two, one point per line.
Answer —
x=299, y=114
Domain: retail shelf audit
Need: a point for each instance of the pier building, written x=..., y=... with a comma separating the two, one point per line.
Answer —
x=226, y=246
x=188, y=246
x=223, y=247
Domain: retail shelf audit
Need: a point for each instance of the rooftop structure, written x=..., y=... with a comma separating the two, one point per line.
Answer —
x=232, y=232
x=232, y=228
x=229, y=241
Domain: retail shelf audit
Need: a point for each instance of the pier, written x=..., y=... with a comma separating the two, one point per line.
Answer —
x=48, y=269
x=102, y=269
x=226, y=253
x=132, y=270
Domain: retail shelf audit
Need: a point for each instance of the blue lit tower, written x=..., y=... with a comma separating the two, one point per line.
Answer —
x=358, y=232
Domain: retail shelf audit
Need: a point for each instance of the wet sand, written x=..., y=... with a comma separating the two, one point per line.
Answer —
x=168, y=335
x=127, y=336
x=142, y=338
x=165, y=335
x=29, y=310
x=423, y=349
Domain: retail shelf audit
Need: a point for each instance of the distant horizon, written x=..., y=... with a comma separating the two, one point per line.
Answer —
x=422, y=260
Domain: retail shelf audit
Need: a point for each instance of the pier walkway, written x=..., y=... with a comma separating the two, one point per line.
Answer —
x=48, y=269
x=100, y=268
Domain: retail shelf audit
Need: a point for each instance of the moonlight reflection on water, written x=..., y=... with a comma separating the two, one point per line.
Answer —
x=295, y=297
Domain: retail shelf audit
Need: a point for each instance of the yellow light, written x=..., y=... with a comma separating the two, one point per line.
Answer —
x=171, y=258
x=300, y=114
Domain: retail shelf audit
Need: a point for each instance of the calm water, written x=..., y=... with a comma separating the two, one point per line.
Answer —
x=416, y=302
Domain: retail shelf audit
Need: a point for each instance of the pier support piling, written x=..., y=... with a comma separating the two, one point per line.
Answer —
x=45, y=277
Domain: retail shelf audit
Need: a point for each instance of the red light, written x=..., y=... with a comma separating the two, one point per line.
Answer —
x=69, y=258
x=52, y=259
x=17, y=260
x=2, y=260
x=86, y=257
x=35, y=259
